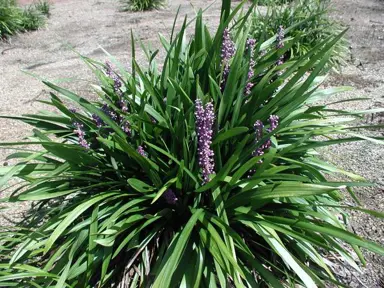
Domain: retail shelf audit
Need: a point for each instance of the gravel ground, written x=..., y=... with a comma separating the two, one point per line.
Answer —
x=365, y=19
x=86, y=25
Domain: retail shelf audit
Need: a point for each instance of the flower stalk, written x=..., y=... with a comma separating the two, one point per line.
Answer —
x=205, y=118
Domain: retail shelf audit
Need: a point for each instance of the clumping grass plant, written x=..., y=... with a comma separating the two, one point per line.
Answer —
x=312, y=24
x=43, y=6
x=11, y=19
x=142, y=5
x=14, y=19
x=202, y=173
x=33, y=19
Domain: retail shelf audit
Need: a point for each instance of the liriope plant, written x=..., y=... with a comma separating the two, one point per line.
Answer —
x=203, y=173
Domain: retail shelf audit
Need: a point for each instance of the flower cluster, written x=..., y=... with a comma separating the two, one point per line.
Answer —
x=110, y=112
x=123, y=105
x=141, y=151
x=251, y=47
x=99, y=122
x=170, y=197
x=116, y=80
x=259, y=126
x=126, y=126
x=280, y=45
x=205, y=118
x=273, y=122
x=228, y=50
x=81, y=134
x=280, y=37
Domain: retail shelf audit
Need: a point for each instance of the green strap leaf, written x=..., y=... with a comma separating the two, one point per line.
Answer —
x=175, y=252
x=81, y=208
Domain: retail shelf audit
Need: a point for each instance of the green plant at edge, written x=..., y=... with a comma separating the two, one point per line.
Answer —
x=317, y=27
x=43, y=6
x=142, y=5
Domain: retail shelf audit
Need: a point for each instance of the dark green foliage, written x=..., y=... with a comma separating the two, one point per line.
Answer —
x=318, y=27
x=142, y=5
x=101, y=214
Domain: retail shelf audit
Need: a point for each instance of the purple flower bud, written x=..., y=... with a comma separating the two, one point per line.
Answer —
x=72, y=110
x=81, y=135
x=142, y=152
x=205, y=118
x=170, y=197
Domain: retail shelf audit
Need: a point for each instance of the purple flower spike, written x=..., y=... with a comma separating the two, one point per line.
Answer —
x=274, y=122
x=205, y=118
x=251, y=43
x=98, y=121
x=251, y=46
x=116, y=80
x=116, y=83
x=141, y=151
x=170, y=197
x=228, y=50
x=280, y=45
x=123, y=105
x=109, y=111
x=81, y=134
x=108, y=69
x=280, y=37
x=258, y=126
